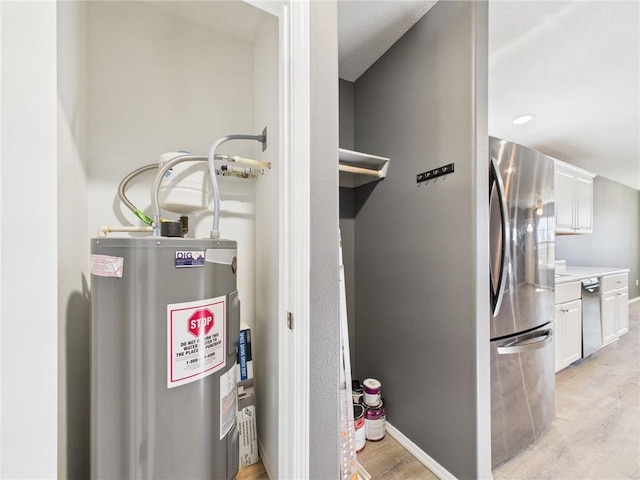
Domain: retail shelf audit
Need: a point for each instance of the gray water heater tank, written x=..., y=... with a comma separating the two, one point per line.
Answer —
x=165, y=327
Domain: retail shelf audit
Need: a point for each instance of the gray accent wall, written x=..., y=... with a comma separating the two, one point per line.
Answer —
x=615, y=241
x=421, y=254
x=324, y=308
x=346, y=115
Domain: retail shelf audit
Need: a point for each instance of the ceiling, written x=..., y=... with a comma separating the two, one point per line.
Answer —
x=575, y=65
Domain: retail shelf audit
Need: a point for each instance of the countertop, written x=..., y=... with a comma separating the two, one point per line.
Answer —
x=574, y=274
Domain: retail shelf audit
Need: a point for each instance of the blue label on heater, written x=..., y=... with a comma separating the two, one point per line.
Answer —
x=189, y=259
x=242, y=354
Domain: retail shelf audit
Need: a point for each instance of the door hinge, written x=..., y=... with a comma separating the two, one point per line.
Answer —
x=290, y=320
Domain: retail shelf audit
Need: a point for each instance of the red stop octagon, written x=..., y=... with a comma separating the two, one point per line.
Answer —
x=200, y=322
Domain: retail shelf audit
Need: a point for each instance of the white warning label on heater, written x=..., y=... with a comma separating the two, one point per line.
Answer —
x=228, y=401
x=196, y=340
x=107, y=266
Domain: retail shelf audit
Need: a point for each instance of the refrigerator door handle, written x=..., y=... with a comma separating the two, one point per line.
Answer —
x=527, y=343
x=495, y=179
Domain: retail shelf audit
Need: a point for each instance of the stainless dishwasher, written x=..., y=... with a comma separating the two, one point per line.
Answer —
x=591, y=316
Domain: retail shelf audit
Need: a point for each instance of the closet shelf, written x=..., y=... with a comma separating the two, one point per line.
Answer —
x=357, y=168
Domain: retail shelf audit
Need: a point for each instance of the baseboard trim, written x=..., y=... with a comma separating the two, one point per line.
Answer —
x=437, y=469
x=633, y=300
x=265, y=460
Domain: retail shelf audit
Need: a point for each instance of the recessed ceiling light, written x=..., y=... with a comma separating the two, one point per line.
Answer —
x=522, y=119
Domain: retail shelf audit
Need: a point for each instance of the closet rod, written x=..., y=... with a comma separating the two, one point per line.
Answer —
x=359, y=170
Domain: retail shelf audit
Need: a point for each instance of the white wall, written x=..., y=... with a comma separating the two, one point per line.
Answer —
x=0, y=233
x=268, y=315
x=158, y=83
x=74, y=315
x=28, y=326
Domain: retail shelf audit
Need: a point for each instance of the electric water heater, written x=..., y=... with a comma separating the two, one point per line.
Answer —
x=165, y=327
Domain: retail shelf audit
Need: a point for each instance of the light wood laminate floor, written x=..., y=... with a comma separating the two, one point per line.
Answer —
x=388, y=460
x=253, y=472
x=595, y=435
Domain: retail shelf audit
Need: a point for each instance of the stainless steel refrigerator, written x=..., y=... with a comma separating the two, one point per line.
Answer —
x=522, y=297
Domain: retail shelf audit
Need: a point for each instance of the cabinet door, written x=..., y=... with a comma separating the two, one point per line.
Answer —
x=564, y=189
x=568, y=333
x=584, y=204
x=609, y=307
x=573, y=329
x=622, y=311
x=559, y=340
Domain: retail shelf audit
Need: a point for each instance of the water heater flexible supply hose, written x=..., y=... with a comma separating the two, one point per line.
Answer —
x=123, y=197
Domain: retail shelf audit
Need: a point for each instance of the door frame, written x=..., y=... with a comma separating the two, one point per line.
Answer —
x=294, y=245
x=294, y=361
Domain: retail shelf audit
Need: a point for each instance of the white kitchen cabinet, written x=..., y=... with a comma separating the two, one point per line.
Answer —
x=615, y=307
x=568, y=325
x=609, y=332
x=568, y=333
x=622, y=311
x=574, y=199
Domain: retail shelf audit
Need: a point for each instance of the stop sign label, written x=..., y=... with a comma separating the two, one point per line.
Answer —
x=196, y=339
x=200, y=322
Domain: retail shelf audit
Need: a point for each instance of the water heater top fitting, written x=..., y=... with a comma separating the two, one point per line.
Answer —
x=185, y=187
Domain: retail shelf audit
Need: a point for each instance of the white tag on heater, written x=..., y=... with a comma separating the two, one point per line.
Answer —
x=107, y=266
x=228, y=401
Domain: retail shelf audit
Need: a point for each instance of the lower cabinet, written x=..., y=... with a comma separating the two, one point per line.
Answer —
x=568, y=324
x=622, y=311
x=568, y=333
x=614, y=310
x=615, y=307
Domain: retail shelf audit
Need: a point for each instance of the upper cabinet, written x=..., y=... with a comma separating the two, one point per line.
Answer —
x=574, y=199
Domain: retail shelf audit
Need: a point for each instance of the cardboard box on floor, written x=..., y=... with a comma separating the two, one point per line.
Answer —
x=246, y=415
x=247, y=437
